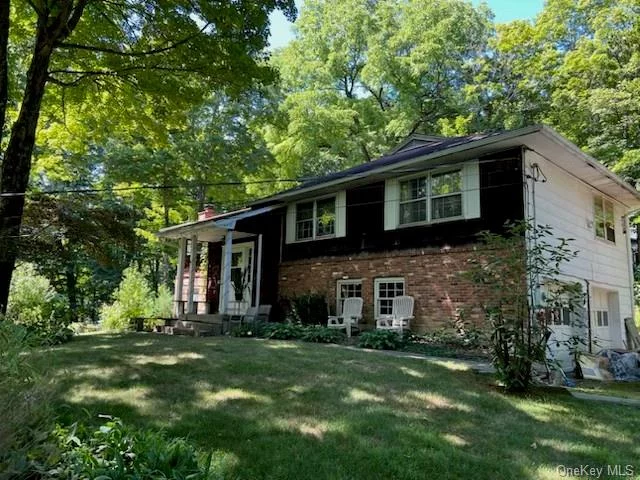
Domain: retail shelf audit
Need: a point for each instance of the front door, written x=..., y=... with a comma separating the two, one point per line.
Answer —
x=601, y=319
x=241, y=288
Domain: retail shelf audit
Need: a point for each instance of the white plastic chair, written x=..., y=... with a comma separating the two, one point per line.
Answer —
x=401, y=315
x=351, y=315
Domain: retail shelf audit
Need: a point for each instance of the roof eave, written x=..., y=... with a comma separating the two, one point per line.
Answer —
x=386, y=168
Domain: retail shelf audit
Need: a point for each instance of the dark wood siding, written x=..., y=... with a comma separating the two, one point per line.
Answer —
x=501, y=200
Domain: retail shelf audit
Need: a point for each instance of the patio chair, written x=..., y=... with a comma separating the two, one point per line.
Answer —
x=264, y=312
x=351, y=315
x=401, y=315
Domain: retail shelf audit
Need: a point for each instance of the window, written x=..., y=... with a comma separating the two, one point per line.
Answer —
x=435, y=197
x=561, y=316
x=347, y=289
x=316, y=219
x=385, y=290
x=602, y=318
x=604, y=219
x=304, y=221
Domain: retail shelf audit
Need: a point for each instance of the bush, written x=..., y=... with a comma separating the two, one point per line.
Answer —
x=320, y=334
x=380, y=340
x=132, y=298
x=519, y=276
x=116, y=452
x=283, y=331
x=34, y=304
x=308, y=309
x=24, y=411
x=247, y=331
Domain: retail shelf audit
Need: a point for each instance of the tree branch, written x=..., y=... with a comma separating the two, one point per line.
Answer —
x=113, y=51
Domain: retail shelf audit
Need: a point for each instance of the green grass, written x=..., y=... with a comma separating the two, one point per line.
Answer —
x=277, y=409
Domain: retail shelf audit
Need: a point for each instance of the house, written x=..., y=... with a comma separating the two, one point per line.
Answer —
x=406, y=224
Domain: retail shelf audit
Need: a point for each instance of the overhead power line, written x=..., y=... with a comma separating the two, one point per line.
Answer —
x=337, y=176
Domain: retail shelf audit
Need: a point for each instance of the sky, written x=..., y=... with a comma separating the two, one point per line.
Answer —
x=504, y=10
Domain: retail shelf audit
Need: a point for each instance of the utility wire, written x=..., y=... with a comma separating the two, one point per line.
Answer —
x=315, y=180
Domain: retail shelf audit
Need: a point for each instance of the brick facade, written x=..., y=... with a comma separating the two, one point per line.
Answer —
x=432, y=276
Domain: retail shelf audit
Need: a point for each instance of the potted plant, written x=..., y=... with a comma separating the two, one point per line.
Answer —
x=240, y=285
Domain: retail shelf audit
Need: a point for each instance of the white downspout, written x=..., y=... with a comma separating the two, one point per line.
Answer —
x=631, y=278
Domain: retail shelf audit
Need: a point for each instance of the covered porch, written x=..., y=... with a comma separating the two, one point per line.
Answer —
x=219, y=267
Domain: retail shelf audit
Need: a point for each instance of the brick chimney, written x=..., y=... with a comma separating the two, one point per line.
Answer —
x=208, y=212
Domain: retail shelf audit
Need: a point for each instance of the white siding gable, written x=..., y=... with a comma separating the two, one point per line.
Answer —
x=566, y=204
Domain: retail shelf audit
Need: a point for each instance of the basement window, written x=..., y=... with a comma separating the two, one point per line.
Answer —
x=347, y=289
x=604, y=219
x=385, y=291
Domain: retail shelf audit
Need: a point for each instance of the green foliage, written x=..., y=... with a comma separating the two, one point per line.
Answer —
x=117, y=452
x=322, y=334
x=518, y=274
x=284, y=331
x=361, y=75
x=24, y=400
x=132, y=299
x=162, y=303
x=308, y=309
x=298, y=331
x=246, y=330
x=380, y=340
x=34, y=304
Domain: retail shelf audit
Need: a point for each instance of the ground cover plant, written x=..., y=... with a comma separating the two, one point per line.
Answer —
x=280, y=409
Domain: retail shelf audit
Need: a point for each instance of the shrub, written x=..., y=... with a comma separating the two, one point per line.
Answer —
x=283, y=331
x=163, y=303
x=308, y=309
x=34, y=304
x=247, y=331
x=380, y=340
x=320, y=334
x=132, y=298
x=114, y=451
x=511, y=272
x=24, y=411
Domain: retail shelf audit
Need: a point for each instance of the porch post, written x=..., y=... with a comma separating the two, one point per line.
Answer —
x=258, y=271
x=192, y=272
x=226, y=274
x=177, y=293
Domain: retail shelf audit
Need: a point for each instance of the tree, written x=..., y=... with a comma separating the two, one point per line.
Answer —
x=512, y=272
x=172, y=50
x=360, y=75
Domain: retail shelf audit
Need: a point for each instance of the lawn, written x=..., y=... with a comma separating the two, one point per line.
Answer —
x=271, y=409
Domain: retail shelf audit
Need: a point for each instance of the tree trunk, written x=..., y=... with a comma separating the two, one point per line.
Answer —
x=17, y=159
x=4, y=65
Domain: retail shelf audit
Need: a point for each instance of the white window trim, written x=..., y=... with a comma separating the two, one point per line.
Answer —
x=340, y=283
x=376, y=284
x=604, y=200
x=340, y=218
x=428, y=175
x=470, y=196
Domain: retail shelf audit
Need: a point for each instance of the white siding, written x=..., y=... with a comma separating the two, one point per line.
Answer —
x=566, y=204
